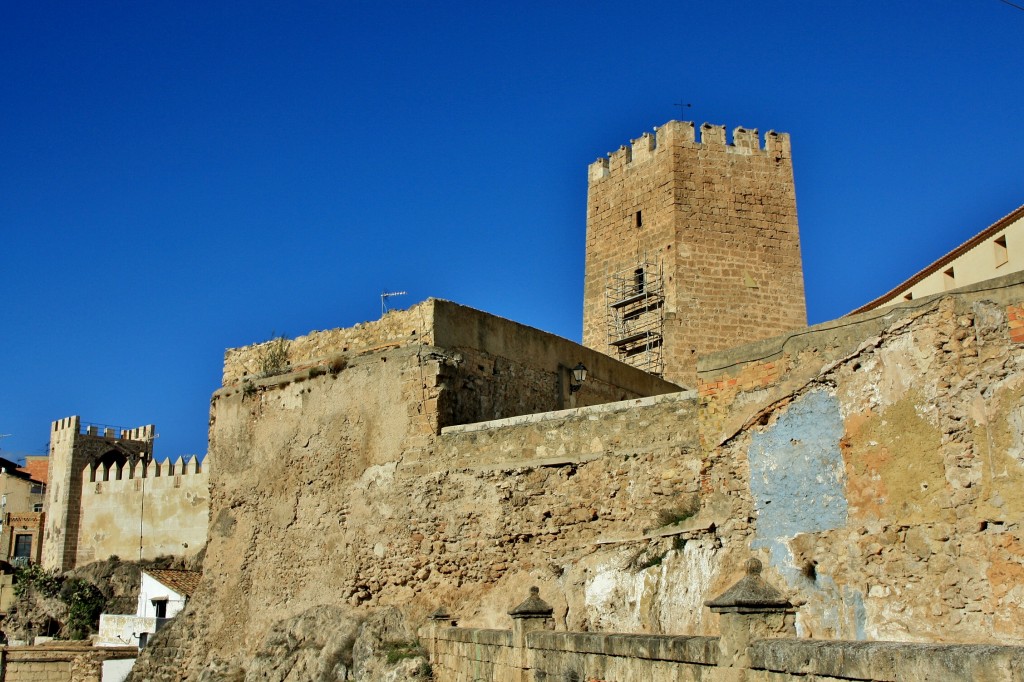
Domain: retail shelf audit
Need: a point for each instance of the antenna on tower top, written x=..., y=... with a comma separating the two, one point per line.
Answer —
x=384, y=296
x=682, y=106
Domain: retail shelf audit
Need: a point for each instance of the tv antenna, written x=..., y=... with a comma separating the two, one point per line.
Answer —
x=682, y=107
x=385, y=295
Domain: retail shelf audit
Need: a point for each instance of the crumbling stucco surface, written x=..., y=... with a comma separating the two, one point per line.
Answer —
x=334, y=487
x=872, y=464
x=926, y=398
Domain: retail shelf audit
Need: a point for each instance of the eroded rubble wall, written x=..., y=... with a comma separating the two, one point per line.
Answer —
x=332, y=485
x=879, y=461
x=871, y=463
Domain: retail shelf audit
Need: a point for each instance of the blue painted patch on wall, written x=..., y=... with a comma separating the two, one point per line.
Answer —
x=797, y=476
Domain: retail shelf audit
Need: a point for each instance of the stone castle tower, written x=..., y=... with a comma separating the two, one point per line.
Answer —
x=73, y=450
x=692, y=247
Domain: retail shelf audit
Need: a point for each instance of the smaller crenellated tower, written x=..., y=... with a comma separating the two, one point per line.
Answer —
x=74, y=448
x=692, y=247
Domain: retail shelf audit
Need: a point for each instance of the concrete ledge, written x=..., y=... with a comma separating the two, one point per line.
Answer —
x=63, y=652
x=592, y=410
x=700, y=650
x=888, y=661
x=476, y=636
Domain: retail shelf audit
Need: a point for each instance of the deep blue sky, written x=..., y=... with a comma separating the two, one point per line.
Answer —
x=179, y=178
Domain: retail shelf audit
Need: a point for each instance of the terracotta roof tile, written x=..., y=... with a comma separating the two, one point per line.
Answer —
x=183, y=582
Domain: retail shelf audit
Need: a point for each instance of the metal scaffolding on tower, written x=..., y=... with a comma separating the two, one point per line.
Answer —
x=636, y=315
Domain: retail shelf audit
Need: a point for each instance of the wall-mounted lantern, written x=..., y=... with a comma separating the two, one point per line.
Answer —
x=579, y=375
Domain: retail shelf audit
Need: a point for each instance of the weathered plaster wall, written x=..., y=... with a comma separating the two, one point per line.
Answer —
x=160, y=511
x=871, y=464
x=338, y=484
x=496, y=367
x=881, y=455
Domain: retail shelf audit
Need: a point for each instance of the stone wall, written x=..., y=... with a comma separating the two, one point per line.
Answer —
x=870, y=464
x=395, y=329
x=756, y=643
x=475, y=654
x=58, y=663
x=316, y=474
x=497, y=368
x=719, y=218
x=874, y=463
x=76, y=448
x=159, y=509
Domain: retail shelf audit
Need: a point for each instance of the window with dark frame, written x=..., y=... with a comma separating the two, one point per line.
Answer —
x=22, y=546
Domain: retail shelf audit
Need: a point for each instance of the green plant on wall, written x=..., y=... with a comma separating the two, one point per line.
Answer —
x=85, y=602
x=248, y=389
x=273, y=356
x=35, y=577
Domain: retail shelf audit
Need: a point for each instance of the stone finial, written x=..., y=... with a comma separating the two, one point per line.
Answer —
x=533, y=607
x=751, y=594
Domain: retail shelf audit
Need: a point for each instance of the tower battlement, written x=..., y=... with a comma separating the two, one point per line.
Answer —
x=684, y=133
x=692, y=246
x=168, y=468
x=75, y=426
x=76, y=447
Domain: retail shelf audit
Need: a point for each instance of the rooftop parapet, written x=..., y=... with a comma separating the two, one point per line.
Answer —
x=144, y=434
x=673, y=133
x=187, y=466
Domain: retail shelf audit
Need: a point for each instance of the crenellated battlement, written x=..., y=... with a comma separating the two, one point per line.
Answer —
x=144, y=510
x=713, y=210
x=66, y=424
x=74, y=425
x=683, y=133
x=100, y=473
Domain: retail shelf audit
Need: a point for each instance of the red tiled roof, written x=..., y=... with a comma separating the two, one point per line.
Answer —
x=989, y=231
x=182, y=582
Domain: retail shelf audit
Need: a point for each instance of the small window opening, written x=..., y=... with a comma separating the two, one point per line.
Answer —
x=1002, y=256
x=37, y=507
x=909, y=296
x=639, y=219
x=638, y=280
x=160, y=605
x=22, y=546
x=949, y=279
